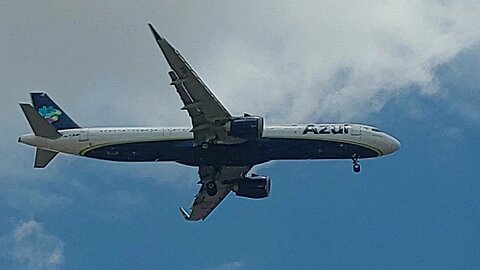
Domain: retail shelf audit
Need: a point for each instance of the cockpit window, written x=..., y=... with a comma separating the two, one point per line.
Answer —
x=376, y=129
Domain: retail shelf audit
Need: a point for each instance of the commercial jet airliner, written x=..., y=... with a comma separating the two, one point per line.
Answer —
x=222, y=146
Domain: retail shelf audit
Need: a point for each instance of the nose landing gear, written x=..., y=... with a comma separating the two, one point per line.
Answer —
x=356, y=164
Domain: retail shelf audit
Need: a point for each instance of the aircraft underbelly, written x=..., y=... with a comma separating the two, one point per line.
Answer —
x=248, y=153
x=317, y=149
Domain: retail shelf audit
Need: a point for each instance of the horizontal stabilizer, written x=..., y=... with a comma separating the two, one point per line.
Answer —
x=43, y=157
x=38, y=124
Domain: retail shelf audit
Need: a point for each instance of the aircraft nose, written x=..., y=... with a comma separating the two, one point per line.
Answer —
x=395, y=145
x=392, y=145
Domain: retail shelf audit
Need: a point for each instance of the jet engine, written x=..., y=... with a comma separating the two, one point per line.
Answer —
x=247, y=127
x=254, y=187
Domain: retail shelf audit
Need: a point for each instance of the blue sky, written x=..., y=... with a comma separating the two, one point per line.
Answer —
x=416, y=209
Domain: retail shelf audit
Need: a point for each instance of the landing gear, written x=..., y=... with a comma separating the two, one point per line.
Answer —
x=211, y=188
x=356, y=165
x=203, y=145
x=356, y=168
x=206, y=144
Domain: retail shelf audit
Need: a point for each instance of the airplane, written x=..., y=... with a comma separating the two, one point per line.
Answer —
x=223, y=147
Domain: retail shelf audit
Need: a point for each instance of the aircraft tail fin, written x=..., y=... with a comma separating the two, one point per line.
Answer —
x=51, y=112
x=38, y=124
x=43, y=157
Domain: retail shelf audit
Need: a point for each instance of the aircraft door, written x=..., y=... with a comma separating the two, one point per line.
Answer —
x=83, y=136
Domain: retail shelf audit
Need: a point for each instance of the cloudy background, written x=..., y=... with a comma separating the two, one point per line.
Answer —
x=408, y=67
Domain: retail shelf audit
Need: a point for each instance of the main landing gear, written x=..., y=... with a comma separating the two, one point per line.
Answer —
x=205, y=145
x=356, y=165
x=211, y=188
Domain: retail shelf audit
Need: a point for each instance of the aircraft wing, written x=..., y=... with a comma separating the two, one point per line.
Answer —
x=207, y=113
x=205, y=201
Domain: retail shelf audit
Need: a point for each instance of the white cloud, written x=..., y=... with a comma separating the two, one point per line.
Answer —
x=340, y=60
x=231, y=266
x=31, y=247
x=292, y=61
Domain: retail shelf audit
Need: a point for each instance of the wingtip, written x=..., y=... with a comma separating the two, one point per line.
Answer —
x=154, y=32
x=185, y=214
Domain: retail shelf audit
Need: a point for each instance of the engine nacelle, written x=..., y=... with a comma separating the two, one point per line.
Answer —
x=248, y=127
x=255, y=187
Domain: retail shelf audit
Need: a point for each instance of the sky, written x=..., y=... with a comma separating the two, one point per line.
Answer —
x=407, y=67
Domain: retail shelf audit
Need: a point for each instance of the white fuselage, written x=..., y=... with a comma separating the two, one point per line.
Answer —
x=84, y=140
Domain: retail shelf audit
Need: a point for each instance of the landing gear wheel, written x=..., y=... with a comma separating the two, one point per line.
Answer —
x=356, y=165
x=211, y=188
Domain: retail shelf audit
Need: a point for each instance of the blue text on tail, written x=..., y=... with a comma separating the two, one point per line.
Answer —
x=51, y=112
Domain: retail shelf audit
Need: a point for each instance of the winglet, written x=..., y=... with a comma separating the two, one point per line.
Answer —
x=185, y=214
x=155, y=34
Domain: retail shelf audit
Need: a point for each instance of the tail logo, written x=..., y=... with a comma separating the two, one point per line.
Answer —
x=49, y=113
